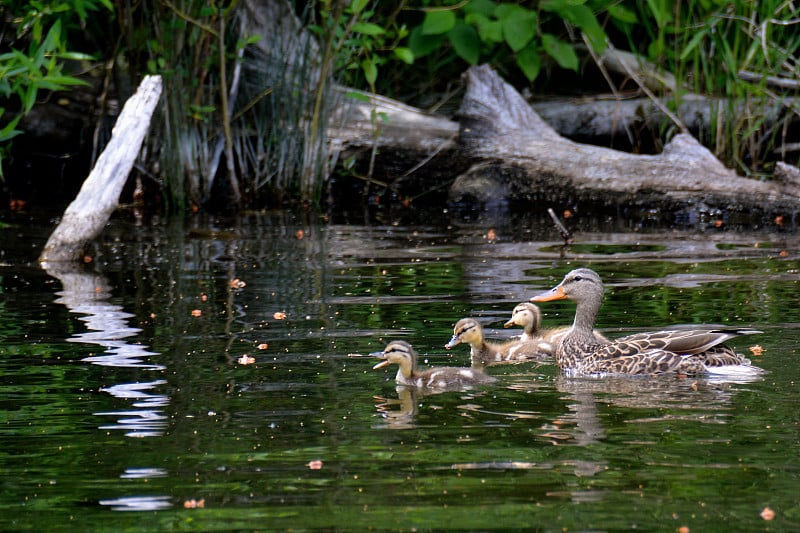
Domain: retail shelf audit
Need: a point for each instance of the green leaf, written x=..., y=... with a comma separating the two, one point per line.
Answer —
x=561, y=51
x=357, y=96
x=529, y=61
x=76, y=56
x=466, y=42
x=404, y=54
x=519, y=25
x=438, y=22
x=490, y=31
x=622, y=14
x=482, y=7
x=367, y=28
x=29, y=97
x=582, y=17
x=370, y=69
x=661, y=11
x=693, y=43
x=356, y=6
x=422, y=45
x=9, y=131
x=63, y=80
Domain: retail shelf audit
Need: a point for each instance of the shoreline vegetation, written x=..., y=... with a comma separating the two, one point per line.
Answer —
x=267, y=105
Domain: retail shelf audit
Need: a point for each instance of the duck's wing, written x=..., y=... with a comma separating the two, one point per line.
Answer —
x=680, y=341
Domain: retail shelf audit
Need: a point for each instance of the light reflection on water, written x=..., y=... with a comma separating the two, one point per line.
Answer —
x=565, y=452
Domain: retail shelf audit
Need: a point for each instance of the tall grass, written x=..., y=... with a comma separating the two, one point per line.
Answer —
x=241, y=116
x=731, y=52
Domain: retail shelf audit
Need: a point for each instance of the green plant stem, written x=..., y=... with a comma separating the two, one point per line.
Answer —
x=226, y=120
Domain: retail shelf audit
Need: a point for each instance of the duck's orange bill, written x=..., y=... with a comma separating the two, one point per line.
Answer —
x=381, y=364
x=556, y=293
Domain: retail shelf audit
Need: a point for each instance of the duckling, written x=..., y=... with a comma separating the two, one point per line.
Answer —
x=529, y=316
x=446, y=377
x=483, y=353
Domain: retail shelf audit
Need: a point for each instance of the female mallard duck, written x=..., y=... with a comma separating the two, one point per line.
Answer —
x=483, y=353
x=688, y=351
x=529, y=317
x=445, y=377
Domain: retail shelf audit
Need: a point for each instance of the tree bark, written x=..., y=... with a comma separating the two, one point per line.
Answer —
x=86, y=216
x=522, y=157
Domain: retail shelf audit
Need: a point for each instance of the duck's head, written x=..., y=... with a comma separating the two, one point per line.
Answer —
x=466, y=330
x=398, y=353
x=580, y=285
x=525, y=315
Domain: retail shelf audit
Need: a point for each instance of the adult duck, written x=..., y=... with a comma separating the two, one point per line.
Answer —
x=529, y=317
x=445, y=377
x=484, y=353
x=686, y=351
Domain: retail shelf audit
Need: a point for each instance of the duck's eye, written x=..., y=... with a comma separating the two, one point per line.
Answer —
x=577, y=278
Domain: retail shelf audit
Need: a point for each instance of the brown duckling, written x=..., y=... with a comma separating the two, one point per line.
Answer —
x=484, y=353
x=688, y=351
x=529, y=317
x=445, y=377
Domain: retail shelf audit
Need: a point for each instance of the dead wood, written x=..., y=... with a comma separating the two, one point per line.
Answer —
x=365, y=120
x=522, y=157
x=607, y=116
x=86, y=216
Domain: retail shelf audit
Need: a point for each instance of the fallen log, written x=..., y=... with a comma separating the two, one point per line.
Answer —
x=609, y=117
x=88, y=213
x=520, y=157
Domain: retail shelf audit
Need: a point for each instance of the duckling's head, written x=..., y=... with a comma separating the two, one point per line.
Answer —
x=579, y=285
x=398, y=353
x=526, y=315
x=466, y=330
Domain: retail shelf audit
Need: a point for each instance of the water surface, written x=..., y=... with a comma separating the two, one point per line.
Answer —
x=126, y=403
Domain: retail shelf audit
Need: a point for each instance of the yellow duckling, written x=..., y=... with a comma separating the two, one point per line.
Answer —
x=529, y=317
x=446, y=377
x=484, y=353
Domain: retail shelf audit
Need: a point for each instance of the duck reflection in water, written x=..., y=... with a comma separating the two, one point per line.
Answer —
x=399, y=413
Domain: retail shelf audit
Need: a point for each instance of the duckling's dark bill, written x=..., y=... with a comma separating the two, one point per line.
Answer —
x=454, y=341
x=380, y=355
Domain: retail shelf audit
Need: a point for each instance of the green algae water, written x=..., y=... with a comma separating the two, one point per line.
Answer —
x=201, y=376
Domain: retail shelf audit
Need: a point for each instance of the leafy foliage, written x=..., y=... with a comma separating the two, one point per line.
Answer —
x=480, y=30
x=35, y=61
x=716, y=48
x=744, y=53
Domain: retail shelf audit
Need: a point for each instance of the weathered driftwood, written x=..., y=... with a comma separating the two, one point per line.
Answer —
x=86, y=216
x=366, y=119
x=522, y=157
x=609, y=116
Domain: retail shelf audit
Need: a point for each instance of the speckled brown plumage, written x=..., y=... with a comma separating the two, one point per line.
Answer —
x=686, y=351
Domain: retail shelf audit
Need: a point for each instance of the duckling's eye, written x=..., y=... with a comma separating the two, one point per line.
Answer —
x=577, y=278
